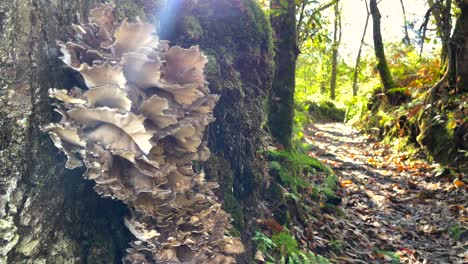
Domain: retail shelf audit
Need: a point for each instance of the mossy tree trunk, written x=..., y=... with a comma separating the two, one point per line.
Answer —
x=447, y=144
x=236, y=37
x=281, y=108
x=382, y=66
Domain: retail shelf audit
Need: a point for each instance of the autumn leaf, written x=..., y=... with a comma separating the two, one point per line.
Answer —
x=459, y=183
x=345, y=183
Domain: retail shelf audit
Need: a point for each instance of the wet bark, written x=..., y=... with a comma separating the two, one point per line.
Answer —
x=281, y=107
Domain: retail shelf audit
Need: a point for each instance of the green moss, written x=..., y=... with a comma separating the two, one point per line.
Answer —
x=286, y=242
x=129, y=9
x=457, y=232
x=438, y=141
x=315, y=194
x=212, y=68
x=331, y=182
x=281, y=212
x=218, y=169
x=192, y=27
x=336, y=246
x=324, y=110
x=329, y=193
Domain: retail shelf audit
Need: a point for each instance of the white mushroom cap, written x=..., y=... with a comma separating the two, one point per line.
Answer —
x=108, y=95
x=102, y=75
x=133, y=36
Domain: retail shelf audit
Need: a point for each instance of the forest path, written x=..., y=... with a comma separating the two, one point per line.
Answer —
x=398, y=210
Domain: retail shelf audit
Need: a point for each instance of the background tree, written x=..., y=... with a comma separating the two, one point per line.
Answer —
x=281, y=107
x=441, y=11
x=336, y=44
x=358, y=57
x=406, y=38
x=382, y=66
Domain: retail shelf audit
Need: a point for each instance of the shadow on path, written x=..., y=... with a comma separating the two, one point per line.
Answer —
x=395, y=206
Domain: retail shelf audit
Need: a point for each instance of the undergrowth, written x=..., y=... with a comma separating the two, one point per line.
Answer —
x=308, y=188
x=282, y=248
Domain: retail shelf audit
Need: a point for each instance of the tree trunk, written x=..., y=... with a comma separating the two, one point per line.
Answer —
x=48, y=214
x=382, y=66
x=458, y=51
x=281, y=108
x=51, y=215
x=336, y=44
x=443, y=21
x=406, y=39
x=236, y=37
x=447, y=146
x=358, y=58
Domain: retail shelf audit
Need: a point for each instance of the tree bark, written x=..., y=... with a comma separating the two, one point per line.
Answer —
x=336, y=44
x=458, y=51
x=358, y=58
x=382, y=66
x=48, y=214
x=443, y=19
x=281, y=107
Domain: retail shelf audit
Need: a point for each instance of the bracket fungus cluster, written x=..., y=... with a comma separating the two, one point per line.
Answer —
x=137, y=128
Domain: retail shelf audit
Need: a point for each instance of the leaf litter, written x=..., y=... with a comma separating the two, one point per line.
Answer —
x=396, y=209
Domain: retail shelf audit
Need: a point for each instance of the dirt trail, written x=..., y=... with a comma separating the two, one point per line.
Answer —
x=397, y=208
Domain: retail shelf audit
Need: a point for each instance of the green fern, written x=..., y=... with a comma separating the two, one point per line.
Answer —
x=293, y=165
x=286, y=243
x=287, y=178
x=286, y=249
x=307, y=258
x=299, y=160
x=263, y=242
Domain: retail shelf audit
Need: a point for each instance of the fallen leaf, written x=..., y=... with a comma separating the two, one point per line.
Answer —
x=345, y=183
x=458, y=183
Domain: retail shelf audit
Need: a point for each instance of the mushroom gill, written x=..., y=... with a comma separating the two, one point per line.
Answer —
x=137, y=128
